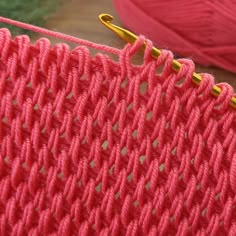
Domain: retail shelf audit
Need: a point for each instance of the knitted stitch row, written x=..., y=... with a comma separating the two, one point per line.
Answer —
x=94, y=146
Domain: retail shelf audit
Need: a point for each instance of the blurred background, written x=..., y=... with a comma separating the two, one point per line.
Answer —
x=79, y=18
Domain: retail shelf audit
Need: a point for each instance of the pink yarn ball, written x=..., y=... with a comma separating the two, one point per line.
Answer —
x=204, y=30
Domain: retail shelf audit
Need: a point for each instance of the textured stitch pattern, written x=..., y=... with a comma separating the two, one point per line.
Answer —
x=91, y=146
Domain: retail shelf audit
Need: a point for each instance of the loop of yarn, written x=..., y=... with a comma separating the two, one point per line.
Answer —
x=203, y=30
x=92, y=146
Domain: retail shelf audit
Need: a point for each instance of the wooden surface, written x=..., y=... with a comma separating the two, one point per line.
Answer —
x=80, y=18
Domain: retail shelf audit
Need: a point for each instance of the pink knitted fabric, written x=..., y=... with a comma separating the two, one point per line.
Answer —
x=91, y=146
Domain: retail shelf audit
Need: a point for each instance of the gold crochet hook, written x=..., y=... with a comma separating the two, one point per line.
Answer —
x=129, y=37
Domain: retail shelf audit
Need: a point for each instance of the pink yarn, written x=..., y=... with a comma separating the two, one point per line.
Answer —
x=201, y=29
x=93, y=146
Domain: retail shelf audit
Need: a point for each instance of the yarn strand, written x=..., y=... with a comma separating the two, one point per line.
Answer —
x=59, y=35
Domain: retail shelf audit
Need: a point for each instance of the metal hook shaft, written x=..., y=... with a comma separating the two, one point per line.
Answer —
x=131, y=38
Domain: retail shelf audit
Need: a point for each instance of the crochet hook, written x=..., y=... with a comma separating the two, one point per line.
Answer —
x=130, y=37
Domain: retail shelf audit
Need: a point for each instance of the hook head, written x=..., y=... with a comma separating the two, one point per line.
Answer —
x=105, y=18
x=122, y=33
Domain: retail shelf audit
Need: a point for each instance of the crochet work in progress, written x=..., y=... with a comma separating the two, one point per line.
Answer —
x=94, y=146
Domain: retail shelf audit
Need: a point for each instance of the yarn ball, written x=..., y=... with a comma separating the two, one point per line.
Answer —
x=203, y=30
